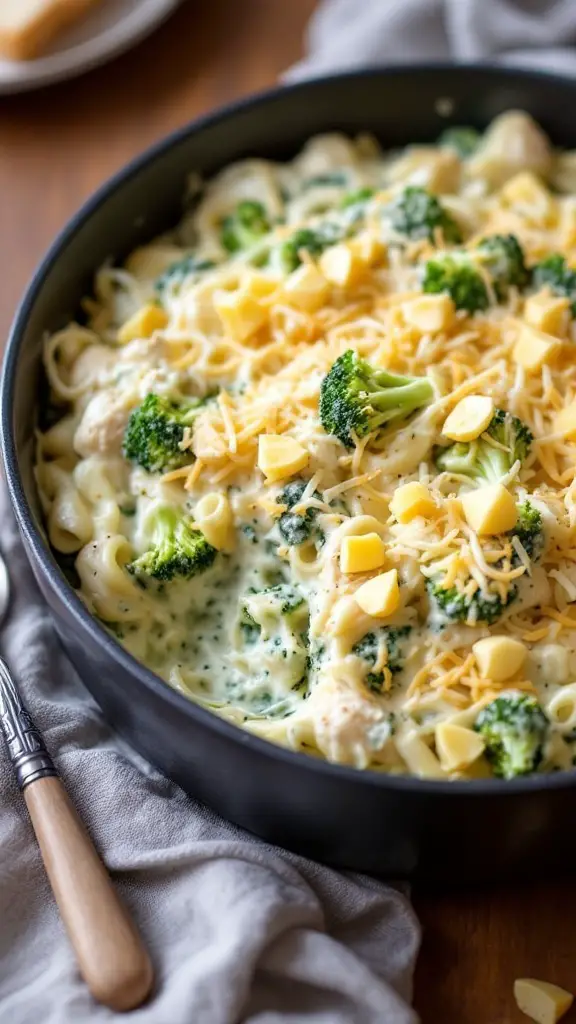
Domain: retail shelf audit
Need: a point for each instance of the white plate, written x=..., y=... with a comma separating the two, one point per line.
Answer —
x=107, y=31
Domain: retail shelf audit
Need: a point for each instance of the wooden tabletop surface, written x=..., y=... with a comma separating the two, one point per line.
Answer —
x=56, y=146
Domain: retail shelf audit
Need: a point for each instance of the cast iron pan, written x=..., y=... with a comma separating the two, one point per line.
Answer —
x=459, y=831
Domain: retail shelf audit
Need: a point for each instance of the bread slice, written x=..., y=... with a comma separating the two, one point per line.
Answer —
x=27, y=27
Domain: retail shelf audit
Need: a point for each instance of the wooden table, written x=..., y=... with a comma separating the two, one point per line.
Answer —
x=55, y=147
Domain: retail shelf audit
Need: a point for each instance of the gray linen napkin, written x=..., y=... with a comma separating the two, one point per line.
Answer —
x=348, y=34
x=238, y=930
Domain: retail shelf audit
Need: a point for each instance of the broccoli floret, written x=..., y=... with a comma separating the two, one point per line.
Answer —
x=530, y=532
x=360, y=195
x=455, y=274
x=311, y=240
x=288, y=598
x=177, y=549
x=248, y=626
x=292, y=493
x=368, y=649
x=482, y=462
x=357, y=398
x=453, y=605
x=464, y=140
x=554, y=273
x=503, y=257
x=155, y=433
x=272, y=603
x=418, y=214
x=177, y=272
x=277, y=617
x=296, y=529
x=243, y=228
x=514, y=728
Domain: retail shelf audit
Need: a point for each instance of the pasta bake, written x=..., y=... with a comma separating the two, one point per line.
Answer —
x=311, y=455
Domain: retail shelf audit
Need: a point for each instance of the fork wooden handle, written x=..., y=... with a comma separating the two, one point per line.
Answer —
x=111, y=957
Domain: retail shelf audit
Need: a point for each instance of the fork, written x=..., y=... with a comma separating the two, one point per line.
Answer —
x=110, y=954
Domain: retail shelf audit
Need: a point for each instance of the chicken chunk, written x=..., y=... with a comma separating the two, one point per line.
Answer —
x=93, y=366
x=349, y=727
x=102, y=426
x=512, y=143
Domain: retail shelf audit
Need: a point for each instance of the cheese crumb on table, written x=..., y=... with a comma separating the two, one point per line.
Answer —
x=541, y=1001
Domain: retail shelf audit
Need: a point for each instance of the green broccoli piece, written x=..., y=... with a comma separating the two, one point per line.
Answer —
x=288, y=598
x=555, y=274
x=311, y=240
x=155, y=433
x=360, y=195
x=248, y=626
x=296, y=529
x=463, y=139
x=455, y=274
x=419, y=214
x=452, y=605
x=177, y=549
x=368, y=649
x=514, y=728
x=278, y=618
x=260, y=607
x=177, y=272
x=244, y=227
x=482, y=462
x=530, y=532
x=503, y=258
x=357, y=398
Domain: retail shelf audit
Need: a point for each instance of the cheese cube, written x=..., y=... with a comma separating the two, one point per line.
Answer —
x=499, y=657
x=306, y=288
x=469, y=418
x=380, y=596
x=534, y=348
x=419, y=759
x=240, y=314
x=568, y=226
x=259, y=286
x=565, y=422
x=368, y=248
x=362, y=554
x=456, y=746
x=280, y=456
x=429, y=313
x=549, y=313
x=490, y=509
x=541, y=1001
x=412, y=500
x=341, y=265
x=143, y=324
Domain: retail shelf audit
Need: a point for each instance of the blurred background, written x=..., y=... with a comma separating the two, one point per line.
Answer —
x=58, y=143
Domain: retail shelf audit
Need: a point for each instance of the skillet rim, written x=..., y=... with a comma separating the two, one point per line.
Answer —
x=40, y=550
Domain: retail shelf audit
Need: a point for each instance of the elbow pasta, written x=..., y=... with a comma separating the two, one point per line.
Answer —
x=561, y=709
x=234, y=421
x=214, y=518
x=70, y=523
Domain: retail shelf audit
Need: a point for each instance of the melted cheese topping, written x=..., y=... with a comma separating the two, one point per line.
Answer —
x=258, y=336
